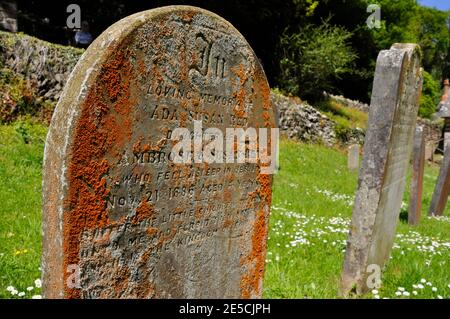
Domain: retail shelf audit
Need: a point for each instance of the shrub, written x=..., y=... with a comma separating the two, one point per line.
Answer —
x=312, y=58
x=430, y=96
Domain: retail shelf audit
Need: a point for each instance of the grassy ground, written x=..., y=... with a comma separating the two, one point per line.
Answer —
x=312, y=205
x=21, y=150
x=312, y=199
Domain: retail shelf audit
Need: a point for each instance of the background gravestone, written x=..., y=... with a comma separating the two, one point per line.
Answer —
x=416, y=189
x=353, y=157
x=442, y=189
x=382, y=177
x=120, y=219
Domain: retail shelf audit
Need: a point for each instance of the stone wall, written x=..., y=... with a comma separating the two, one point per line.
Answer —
x=347, y=102
x=301, y=121
x=45, y=64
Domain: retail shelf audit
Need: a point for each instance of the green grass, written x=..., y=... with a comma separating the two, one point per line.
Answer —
x=348, y=117
x=312, y=203
x=21, y=150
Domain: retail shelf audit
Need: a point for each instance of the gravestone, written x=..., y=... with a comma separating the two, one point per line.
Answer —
x=353, y=157
x=442, y=189
x=429, y=151
x=446, y=131
x=416, y=189
x=444, y=112
x=382, y=177
x=122, y=218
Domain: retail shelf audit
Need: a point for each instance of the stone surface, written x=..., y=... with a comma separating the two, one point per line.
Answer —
x=444, y=109
x=353, y=157
x=416, y=188
x=298, y=120
x=45, y=65
x=446, y=132
x=382, y=177
x=121, y=220
x=442, y=189
x=347, y=102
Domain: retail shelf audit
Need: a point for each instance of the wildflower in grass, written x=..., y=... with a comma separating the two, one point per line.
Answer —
x=401, y=289
x=415, y=293
x=406, y=294
x=20, y=252
x=440, y=297
x=434, y=289
x=423, y=281
x=14, y=292
x=376, y=296
x=420, y=286
x=38, y=283
x=375, y=292
x=30, y=288
x=21, y=294
x=398, y=293
x=10, y=288
x=36, y=297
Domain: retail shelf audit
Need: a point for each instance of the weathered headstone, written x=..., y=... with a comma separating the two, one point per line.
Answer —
x=382, y=177
x=416, y=189
x=442, y=189
x=446, y=131
x=353, y=157
x=444, y=112
x=121, y=219
x=429, y=151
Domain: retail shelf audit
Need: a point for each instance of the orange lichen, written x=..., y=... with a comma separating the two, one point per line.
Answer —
x=251, y=281
x=99, y=131
x=227, y=195
x=143, y=211
x=239, y=109
x=152, y=231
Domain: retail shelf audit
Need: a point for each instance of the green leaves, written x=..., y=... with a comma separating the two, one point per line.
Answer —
x=312, y=57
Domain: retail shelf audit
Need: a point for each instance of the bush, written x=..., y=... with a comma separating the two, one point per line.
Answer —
x=430, y=96
x=312, y=58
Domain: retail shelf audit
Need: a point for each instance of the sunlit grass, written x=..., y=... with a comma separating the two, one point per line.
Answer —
x=312, y=203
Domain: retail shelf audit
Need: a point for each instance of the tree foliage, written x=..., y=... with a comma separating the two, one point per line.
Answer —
x=312, y=57
x=300, y=53
x=431, y=94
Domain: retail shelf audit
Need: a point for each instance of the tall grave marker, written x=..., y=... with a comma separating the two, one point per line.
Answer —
x=353, y=157
x=382, y=177
x=442, y=189
x=416, y=189
x=121, y=219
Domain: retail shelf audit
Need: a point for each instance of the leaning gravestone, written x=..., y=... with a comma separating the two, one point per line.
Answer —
x=416, y=189
x=121, y=218
x=442, y=189
x=353, y=157
x=382, y=177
